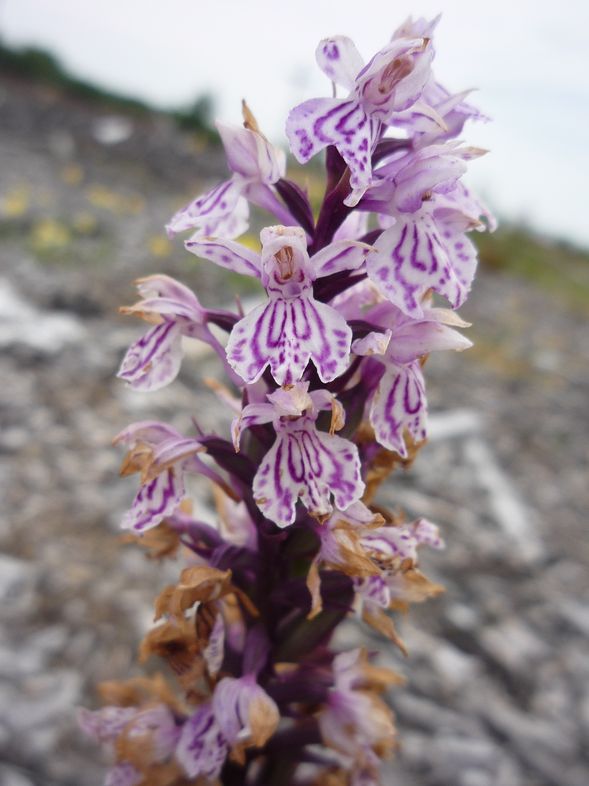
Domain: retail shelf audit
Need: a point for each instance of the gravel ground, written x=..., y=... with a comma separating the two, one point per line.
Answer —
x=498, y=688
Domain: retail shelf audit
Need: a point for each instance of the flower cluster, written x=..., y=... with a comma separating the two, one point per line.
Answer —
x=328, y=397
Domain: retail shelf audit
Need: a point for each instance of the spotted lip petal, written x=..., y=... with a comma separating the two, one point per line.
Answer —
x=411, y=258
x=285, y=334
x=244, y=711
x=309, y=465
x=400, y=404
x=154, y=501
x=154, y=360
x=202, y=749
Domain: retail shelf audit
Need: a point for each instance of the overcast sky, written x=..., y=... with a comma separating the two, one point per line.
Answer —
x=529, y=61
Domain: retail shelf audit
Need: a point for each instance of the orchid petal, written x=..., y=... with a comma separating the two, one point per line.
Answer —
x=309, y=465
x=202, y=750
x=168, y=289
x=415, y=339
x=354, y=226
x=217, y=203
x=123, y=774
x=172, y=451
x=372, y=344
x=410, y=259
x=313, y=125
x=154, y=501
x=151, y=432
x=250, y=155
x=399, y=404
x=214, y=652
x=339, y=60
x=105, y=724
x=374, y=589
x=227, y=254
x=154, y=360
x=252, y=415
x=338, y=256
x=285, y=334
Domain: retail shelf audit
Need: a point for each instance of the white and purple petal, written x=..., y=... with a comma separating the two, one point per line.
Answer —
x=319, y=122
x=339, y=256
x=105, y=724
x=285, y=334
x=339, y=60
x=155, y=500
x=400, y=405
x=154, y=360
x=207, y=209
x=123, y=774
x=411, y=258
x=202, y=749
x=251, y=415
x=309, y=465
x=227, y=254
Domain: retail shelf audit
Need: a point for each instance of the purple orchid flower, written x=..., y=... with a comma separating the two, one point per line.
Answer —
x=154, y=360
x=391, y=546
x=425, y=246
x=303, y=463
x=163, y=456
x=390, y=83
x=399, y=402
x=292, y=327
x=240, y=715
x=355, y=722
x=244, y=711
x=154, y=726
x=256, y=166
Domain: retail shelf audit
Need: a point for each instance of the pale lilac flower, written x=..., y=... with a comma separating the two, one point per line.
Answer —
x=426, y=246
x=292, y=326
x=107, y=723
x=244, y=711
x=356, y=722
x=390, y=83
x=162, y=455
x=202, y=748
x=390, y=546
x=399, y=402
x=450, y=108
x=154, y=726
x=256, y=165
x=154, y=360
x=303, y=463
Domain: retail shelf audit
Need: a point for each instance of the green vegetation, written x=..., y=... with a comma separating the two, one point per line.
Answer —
x=40, y=66
x=550, y=264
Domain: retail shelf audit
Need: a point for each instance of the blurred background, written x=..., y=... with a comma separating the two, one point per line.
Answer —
x=106, y=128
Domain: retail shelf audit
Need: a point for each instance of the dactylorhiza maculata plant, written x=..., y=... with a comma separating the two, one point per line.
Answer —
x=325, y=380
